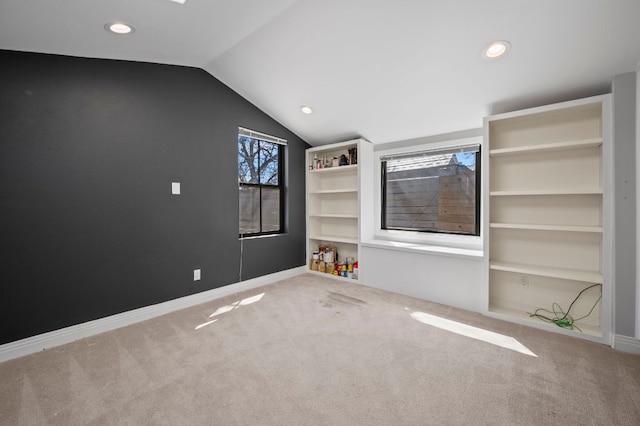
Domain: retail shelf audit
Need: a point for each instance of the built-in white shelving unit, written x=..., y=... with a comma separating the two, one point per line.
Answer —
x=335, y=198
x=547, y=214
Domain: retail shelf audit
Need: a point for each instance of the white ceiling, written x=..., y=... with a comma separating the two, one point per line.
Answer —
x=385, y=70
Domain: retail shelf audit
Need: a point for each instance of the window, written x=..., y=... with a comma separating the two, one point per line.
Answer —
x=260, y=183
x=432, y=191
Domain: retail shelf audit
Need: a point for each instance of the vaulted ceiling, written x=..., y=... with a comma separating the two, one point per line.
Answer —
x=385, y=70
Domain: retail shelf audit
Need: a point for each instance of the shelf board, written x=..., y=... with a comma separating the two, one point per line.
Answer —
x=543, y=271
x=335, y=215
x=334, y=191
x=547, y=192
x=351, y=167
x=334, y=238
x=562, y=228
x=547, y=147
x=525, y=318
x=335, y=277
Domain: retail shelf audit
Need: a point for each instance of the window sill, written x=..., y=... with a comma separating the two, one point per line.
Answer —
x=255, y=237
x=421, y=248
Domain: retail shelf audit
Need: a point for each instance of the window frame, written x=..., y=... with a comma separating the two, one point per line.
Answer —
x=260, y=138
x=422, y=241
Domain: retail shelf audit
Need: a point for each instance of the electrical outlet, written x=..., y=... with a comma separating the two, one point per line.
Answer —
x=196, y=274
x=524, y=281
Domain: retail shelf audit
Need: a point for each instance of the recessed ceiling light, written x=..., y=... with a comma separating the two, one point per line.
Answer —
x=119, y=28
x=179, y=1
x=496, y=49
x=306, y=109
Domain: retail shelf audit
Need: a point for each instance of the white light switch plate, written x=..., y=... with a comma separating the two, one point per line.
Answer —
x=196, y=274
x=175, y=188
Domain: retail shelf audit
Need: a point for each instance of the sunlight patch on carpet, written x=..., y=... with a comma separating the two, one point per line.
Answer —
x=235, y=305
x=473, y=332
x=205, y=324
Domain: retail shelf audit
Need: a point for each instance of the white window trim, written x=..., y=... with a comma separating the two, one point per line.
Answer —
x=242, y=131
x=422, y=242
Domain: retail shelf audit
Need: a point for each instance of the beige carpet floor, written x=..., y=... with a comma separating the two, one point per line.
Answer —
x=313, y=351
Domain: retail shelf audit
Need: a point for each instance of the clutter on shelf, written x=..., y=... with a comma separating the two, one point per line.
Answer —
x=326, y=260
x=346, y=158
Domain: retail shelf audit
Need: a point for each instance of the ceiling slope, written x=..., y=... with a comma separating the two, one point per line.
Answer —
x=383, y=70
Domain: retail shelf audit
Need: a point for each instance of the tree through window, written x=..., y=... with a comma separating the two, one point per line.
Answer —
x=261, y=189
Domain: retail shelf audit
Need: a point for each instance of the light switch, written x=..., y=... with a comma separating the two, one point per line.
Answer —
x=196, y=274
x=175, y=188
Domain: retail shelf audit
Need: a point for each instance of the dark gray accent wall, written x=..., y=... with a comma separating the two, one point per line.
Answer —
x=624, y=157
x=88, y=225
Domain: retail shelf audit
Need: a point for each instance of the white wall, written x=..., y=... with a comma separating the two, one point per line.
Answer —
x=450, y=280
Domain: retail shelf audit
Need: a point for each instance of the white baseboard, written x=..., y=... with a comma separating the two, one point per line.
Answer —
x=626, y=344
x=75, y=332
